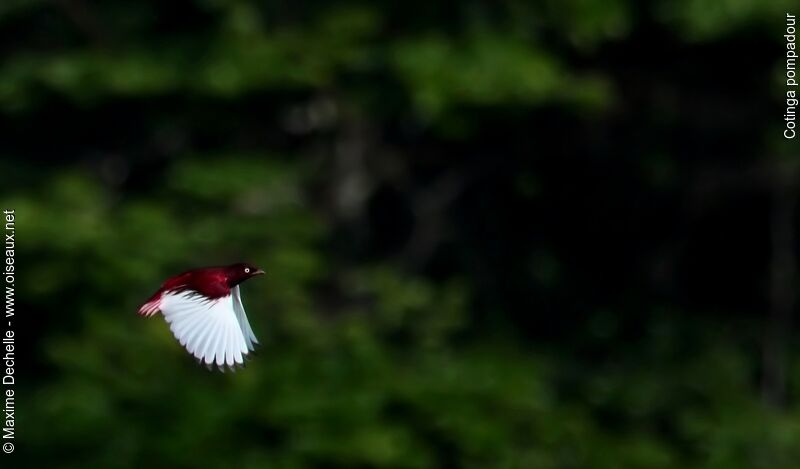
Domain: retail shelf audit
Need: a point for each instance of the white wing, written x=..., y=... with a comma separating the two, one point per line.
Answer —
x=241, y=317
x=208, y=329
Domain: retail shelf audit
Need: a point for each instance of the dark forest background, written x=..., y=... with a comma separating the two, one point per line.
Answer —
x=497, y=234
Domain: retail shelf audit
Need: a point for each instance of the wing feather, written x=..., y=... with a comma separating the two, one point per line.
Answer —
x=208, y=329
x=241, y=318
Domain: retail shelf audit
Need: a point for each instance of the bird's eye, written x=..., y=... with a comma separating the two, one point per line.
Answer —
x=247, y=270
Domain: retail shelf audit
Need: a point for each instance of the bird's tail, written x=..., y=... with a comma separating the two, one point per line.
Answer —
x=152, y=306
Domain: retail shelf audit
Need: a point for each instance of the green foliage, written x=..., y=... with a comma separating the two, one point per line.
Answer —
x=380, y=385
x=365, y=361
x=702, y=19
x=488, y=69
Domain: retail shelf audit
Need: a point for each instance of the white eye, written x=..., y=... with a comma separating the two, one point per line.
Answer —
x=247, y=270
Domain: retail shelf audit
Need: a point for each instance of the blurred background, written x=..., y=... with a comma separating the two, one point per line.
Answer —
x=510, y=234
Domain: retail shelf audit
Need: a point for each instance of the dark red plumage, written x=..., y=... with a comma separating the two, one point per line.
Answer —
x=204, y=310
x=210, y=282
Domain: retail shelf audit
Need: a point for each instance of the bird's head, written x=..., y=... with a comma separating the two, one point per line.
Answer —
x=238, y=273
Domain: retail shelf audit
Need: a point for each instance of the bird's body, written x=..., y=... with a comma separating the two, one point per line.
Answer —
x=204, y=310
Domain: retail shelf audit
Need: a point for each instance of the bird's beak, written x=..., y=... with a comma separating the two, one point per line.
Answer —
x=258, y=272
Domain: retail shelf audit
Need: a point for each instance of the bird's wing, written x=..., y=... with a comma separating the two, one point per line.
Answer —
x=206, y=327
x=241, y=318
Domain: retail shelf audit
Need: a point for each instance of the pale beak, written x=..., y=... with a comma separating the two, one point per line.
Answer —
x=258, y=272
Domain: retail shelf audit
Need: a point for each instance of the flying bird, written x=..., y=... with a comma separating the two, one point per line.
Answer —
x=205, y=313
